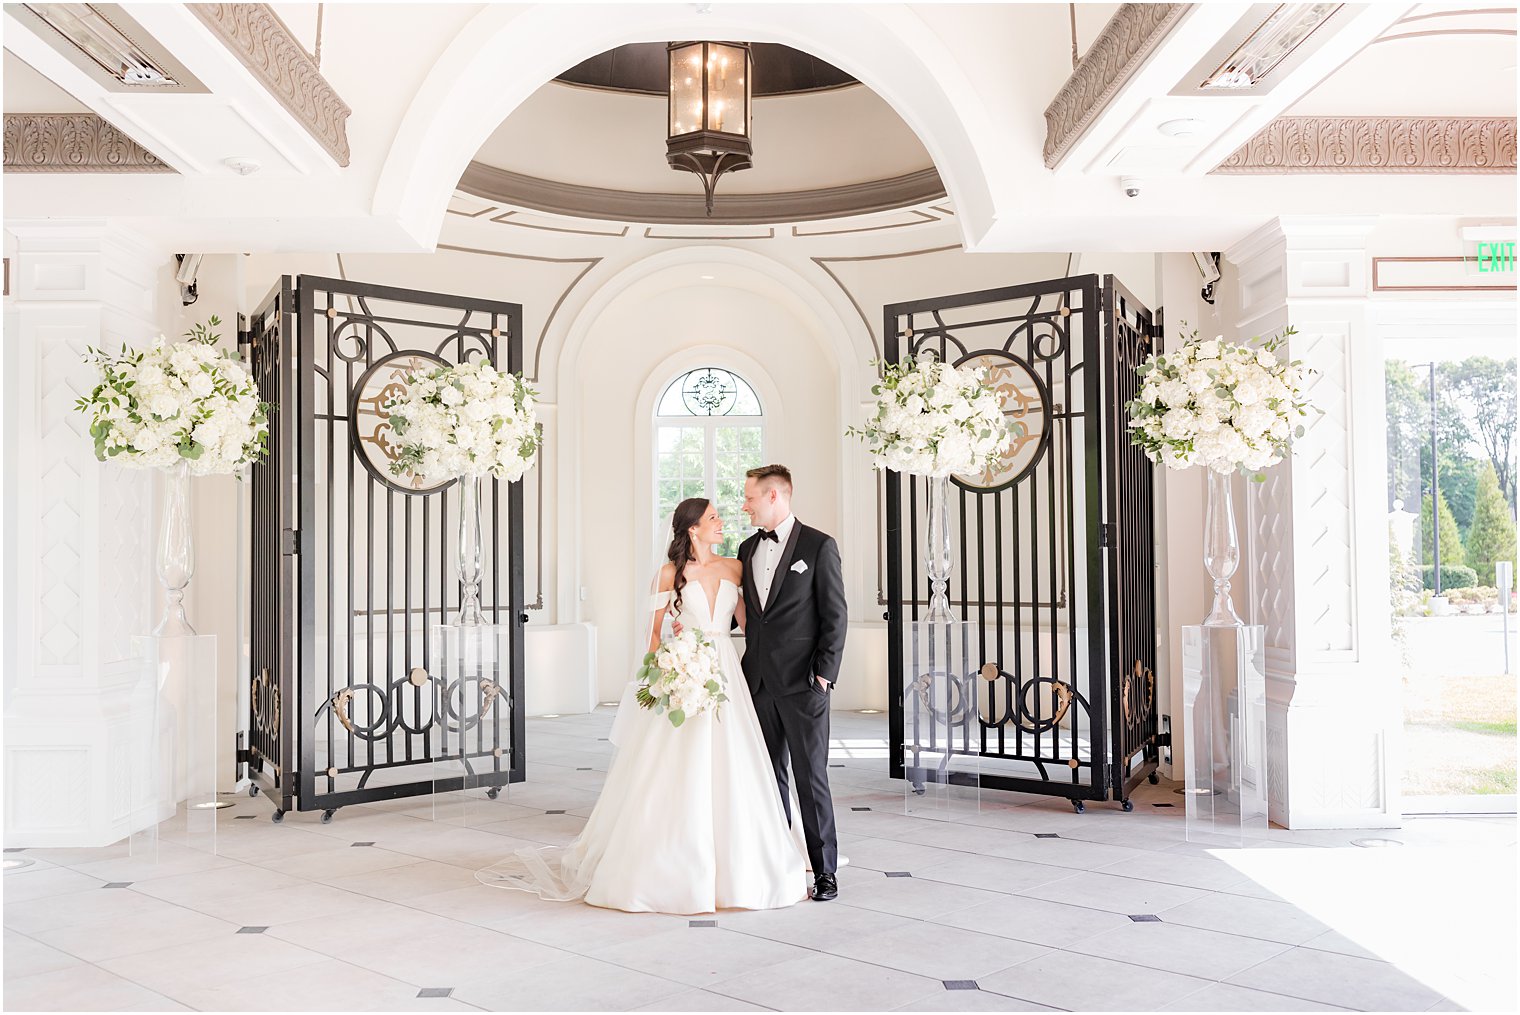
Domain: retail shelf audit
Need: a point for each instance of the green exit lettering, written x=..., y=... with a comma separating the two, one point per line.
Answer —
x=1496, y=257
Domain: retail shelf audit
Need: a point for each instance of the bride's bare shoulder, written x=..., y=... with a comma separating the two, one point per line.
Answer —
x=732, y=568
x=667, y=579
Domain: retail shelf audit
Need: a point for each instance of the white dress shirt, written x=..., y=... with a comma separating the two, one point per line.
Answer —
x=768, y=556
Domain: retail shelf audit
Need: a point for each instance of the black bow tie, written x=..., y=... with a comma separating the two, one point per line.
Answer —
x=769, y=534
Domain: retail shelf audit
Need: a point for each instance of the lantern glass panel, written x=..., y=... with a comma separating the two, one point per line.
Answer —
x=727, y=87
x=686, y=89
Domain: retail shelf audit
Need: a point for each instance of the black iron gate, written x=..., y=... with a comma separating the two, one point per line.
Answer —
x=351, y=568
x=1052, y=545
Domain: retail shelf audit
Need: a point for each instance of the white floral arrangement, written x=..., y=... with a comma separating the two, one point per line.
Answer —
x=176, y=402
x=682, y=678
x=934, y=419
x=465, y=420
x=1223, y=405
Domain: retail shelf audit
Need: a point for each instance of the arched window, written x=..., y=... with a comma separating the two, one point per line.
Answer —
x=709, y=430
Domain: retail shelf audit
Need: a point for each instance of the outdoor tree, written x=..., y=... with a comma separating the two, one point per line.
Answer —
x=1485, y=388
x=1492, y=536
x=1452, y=550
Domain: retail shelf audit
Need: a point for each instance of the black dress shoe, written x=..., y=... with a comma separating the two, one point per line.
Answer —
x=825, y=888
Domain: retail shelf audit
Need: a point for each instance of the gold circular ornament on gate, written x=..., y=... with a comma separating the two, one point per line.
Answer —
x=989, y=672
x=332, y=773
x=418, y=676
x=332, y=311
x=369, y=422
x=498, y=752
x=1074, y=763
x=1026, y=411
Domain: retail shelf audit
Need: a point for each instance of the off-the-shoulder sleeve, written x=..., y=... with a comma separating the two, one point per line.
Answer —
x=659, y=600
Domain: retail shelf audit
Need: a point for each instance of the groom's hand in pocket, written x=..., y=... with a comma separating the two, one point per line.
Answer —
x=823, y=685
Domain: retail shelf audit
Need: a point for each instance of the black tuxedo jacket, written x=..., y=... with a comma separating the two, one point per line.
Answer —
x=799, y=632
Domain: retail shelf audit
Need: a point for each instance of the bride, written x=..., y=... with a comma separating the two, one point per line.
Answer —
x=689, y=820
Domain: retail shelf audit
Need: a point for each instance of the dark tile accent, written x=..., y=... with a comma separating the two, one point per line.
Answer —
x=1163, y=805
x=860, y=808
x=435, y=991
x=1046, y=835
x=15, y=849
x=836, y=766
x=898, y=874
x=701, y=923
x=117, y=884
x=603, y=739
x=1145, y=918
x=554, y=812
x=252, y=930
x=586, y=769
x=960, y=985
x=244, y=817
x=361, y=844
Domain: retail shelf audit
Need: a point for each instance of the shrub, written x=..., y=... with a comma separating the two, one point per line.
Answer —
x=1492, y=536
x=1453, y=576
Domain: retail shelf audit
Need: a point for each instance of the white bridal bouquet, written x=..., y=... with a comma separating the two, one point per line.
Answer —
x=933, y=419
x=1223, y=405
x=465, y=420
x=186, y=402
x=682, y=678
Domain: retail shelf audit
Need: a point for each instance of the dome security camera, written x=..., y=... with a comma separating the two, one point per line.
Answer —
x=1131, y=186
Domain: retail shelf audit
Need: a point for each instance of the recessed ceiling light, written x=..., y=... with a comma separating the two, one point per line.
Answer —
x=1182, y=127
x=707, y=278
x=97, y=38
x=242, y=165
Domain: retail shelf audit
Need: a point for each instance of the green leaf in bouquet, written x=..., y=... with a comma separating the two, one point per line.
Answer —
x=649, y=659
x=677, y=717
x=713, y=687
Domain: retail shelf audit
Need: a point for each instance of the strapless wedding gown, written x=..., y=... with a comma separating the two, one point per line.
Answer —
x=688, y=820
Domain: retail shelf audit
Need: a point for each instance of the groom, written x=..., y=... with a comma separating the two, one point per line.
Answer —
x=794, y=636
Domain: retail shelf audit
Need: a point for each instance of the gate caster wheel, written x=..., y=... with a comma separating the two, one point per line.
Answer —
x=1154, y=778
x=253, y=789
x=1078, y=806
x=493, y=792
x=277, y=817
x=327, y=816
x=918, y=789
x=1128, y=805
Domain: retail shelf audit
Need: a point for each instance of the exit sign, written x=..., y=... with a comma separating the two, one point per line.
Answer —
x=1495, y=257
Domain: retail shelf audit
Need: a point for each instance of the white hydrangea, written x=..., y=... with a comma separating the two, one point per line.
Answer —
x=682, y=678
x=934, y=419
x=465, y=420
x=187, y=402
x=1219, y=404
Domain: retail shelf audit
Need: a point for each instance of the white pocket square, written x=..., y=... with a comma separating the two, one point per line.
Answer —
x=800, y=566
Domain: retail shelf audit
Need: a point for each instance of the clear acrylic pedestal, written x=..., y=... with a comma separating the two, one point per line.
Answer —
x=183, y=671
x=942, y=730
x=470, y=749
x=1225, y=722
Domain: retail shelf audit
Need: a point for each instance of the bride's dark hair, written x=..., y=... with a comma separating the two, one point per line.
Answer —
x=680, y=553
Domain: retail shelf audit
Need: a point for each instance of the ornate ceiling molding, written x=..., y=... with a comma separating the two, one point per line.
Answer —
x=1377, y=144
x=257, y=37
x=1118, y=51
x=515, y=189
x=73, y=143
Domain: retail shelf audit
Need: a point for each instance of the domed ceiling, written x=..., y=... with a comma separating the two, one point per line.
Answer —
x=591, y=143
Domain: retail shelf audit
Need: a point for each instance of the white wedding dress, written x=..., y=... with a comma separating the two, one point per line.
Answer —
x=689, y=820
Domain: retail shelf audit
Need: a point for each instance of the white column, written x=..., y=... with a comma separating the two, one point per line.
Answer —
x=1314, y=546
x=78, y=535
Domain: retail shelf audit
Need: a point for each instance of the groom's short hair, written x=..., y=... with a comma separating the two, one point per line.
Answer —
x=780, y=473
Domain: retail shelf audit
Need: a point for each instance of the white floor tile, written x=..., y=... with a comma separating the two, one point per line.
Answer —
x=85, y=988
x=1115, y=894
x=937, y=951
x=1228, y=997
x=1088, y=983
x=699, y=956
x=25, y=956
x=1035, y=920
x=1339, y=979
x=575, y=983
x=828, y=983
x=1208, y=954
x=1236, y=914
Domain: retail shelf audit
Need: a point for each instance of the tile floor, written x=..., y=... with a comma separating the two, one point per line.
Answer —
x=1025, y=907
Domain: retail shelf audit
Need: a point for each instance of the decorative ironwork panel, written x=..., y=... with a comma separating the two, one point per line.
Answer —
x=1026, y=574
x=1029, y=537
x=373, y=704
x=1132, y=336
x=272, y=614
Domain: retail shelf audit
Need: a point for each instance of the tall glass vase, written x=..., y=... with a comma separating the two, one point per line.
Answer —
x=1221, y=548
x=937, y=551
x=176, y=552
x=469, y=552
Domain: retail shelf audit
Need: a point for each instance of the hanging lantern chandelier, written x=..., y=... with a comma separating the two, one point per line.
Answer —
x=709, y=115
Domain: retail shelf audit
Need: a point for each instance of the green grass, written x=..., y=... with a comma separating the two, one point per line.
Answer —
x=1495, y=780
x=1503, y=728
